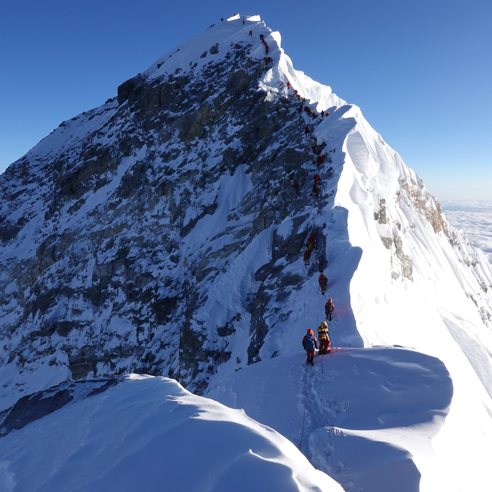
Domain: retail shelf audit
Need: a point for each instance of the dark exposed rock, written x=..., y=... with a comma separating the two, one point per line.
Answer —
x=34, y=407
x=139, y=185
x=406, y=261
x=226, y=330
x=164, y=308
x=126, y=88
x=387, y=241
x=380, y=216
x=238, y=81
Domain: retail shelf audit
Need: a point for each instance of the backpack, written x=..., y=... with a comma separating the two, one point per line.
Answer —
x=309, y=343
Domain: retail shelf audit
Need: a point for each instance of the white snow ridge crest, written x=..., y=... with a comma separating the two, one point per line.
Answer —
x=163, y=233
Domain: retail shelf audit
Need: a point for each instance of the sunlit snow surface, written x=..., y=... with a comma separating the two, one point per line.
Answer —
x=370, y=414
x=473, y=217
x=149, y=434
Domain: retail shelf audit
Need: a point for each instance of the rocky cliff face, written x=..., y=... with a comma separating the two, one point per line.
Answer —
x=100, y=269
x=162, y=232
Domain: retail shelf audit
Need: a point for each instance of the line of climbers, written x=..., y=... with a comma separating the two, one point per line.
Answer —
x=310, y=342
x=265, y=44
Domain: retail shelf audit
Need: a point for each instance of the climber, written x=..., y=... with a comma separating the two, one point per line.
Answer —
x=307, y=256
x=313, y=146
x=222, y=19
x=317, y=179
x=316, y=190
x=306, y=131
x=320, y=159
x=288, y=85
x=310, y=245
x=322, y=114
x=251, y=33
x=323, y=283
x=303, y=100
x=324, y=338
x=329, y=308
x=309, y=343
x=300, y=110
x=244, y=22
x=261, y=37
x=322, y=263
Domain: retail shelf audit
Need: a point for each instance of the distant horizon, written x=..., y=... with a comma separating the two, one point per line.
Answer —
x=411, y=89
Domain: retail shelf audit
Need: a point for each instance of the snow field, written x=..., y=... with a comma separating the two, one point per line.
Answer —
x=150, y=434
x=369, y=412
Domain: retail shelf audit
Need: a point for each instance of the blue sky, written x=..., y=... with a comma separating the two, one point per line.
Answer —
x=421, y=71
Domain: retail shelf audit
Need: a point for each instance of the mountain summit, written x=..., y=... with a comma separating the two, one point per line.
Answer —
x=164, y=232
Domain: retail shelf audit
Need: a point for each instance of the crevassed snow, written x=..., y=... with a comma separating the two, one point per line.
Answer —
x=151, y=434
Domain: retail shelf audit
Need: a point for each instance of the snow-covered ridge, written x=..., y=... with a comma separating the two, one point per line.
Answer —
x=213, y=45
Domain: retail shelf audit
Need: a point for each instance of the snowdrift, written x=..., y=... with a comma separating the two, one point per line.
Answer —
x=366, y=417
x=151, y=434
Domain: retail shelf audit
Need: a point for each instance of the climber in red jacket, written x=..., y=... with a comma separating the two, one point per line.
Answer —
x=329, y=308
x=307, y=256
x=310, y=245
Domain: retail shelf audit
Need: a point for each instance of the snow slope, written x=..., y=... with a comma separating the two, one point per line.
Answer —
x=415, y=283
x=151, y=434
x=366, y=417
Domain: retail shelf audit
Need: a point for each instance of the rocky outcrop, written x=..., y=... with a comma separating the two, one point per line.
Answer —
x=111, y=285
x=34, y=407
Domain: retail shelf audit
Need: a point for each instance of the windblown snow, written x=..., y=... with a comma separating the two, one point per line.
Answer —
x=164, y=233
x=150, y=434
